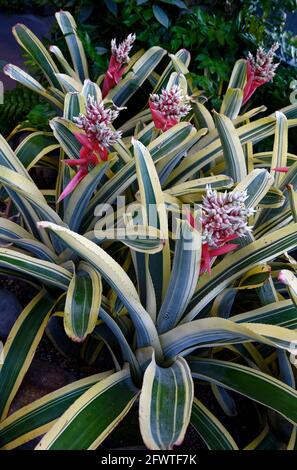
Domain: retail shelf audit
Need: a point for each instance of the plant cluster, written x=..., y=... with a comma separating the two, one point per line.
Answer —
x=137, y=255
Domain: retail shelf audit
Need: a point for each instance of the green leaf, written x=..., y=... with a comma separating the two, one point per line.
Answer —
x=140, y=71
x=37, y=418
x=93, y=416
x=208, y=332
x=232, y=103
x=183, y=279
x=20, y=347
x=38, y=52
x=161, y=16
x=83, y=300
x=165, y=404
x=34, y=147
x=214, y=434
x=79, y=199
x=232, y=149
x=69, y=29
x=251, y=383
x=44, y=271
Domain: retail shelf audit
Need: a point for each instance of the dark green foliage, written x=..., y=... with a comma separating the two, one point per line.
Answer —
x=216, y=32
x=16, y=106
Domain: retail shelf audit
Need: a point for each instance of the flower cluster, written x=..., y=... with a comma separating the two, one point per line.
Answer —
x=96, y=123
x=121, y=52
x=168, y=108
x=95, y=141
x=260, y=70
x=224, y=218
x=119, y=57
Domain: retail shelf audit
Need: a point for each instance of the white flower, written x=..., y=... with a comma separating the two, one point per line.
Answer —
x=224, y=216
x=121, y=52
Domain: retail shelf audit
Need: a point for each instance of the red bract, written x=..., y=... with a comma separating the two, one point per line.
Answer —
x=160, y=121
x=95, y=141
x=119, y=57
x=260, y=70
x=113, y=75
x=281, y=169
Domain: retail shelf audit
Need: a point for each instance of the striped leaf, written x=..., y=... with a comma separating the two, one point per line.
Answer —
x=152, y=200
x=90, y=419
x=238, y=76
x=63, y=130
x=74, y=104
x=34, y=147
x=44, y=271
x=194, y=186
x=214, y=434
x=257, y=183
x=165, y=404
x=116, y=277
x=63, y=61
x=210, y=147
x=202, y=117
x=26, y=80
x=13, y=233
x=119, y=334
x=273, y=199
x=31, y=44
x=183, y=56
x=232, y=103
x=38, y=417
x=83, y=300
x=173, y=141
x=218, y=331
x=20, y=347
x=183, y=279
x=70, y=84
x=81, y=196
x=232, y=149
x=282, y=313
x=280, y=146
x=251, y=383
x=293, y=201
x=290, y=280
x=24, y=190
x=92, y=89
x=75, y=47
x=142, y=239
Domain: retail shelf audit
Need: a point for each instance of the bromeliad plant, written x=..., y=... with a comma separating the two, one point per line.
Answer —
x=167, y=303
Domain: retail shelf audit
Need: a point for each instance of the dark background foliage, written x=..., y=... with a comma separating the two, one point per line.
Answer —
x=216, y=32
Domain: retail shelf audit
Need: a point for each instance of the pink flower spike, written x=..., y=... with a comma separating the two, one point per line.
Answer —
x=168, y=107
x=73, y=183
x=259, y=69
x=281, y=169
x=116, y=68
